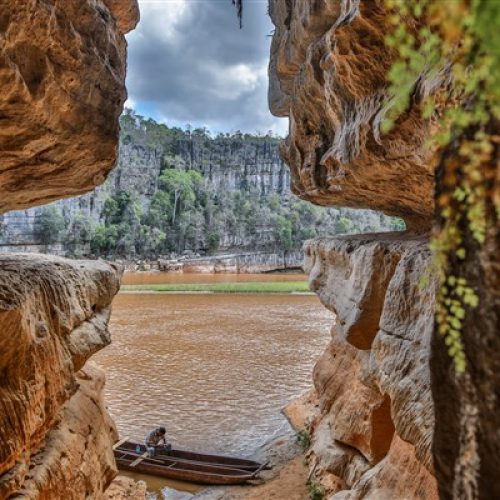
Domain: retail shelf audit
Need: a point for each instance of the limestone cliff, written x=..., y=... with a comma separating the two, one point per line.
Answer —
x=62, y=72
x=226, y=164
x=232, y=166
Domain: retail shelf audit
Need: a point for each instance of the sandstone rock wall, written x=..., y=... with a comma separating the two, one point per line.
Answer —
x=62, y=73
x=372, y=437
x=327, y=73
x=55, y=433
x=373, y=434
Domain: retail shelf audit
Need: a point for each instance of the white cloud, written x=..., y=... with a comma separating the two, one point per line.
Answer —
x=130, y=103
x=161, y=16
x=190, y=63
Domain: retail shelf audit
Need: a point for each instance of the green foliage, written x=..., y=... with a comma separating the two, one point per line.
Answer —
x=316, y=490
x=105, y=239
x=343, y=225
x=80, y=233
x=397, y=224
x=115, y=207
x=213, y=241
x=460, y=38
x=304, y=439
x=186, y=212
x=48, y=225
x=181, y=187
x=283, y=232
x=136, y=129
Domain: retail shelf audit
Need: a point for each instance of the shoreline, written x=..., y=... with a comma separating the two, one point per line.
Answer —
x=289, y=474
x=288, y=471
x=280, y=287
x=209, y=292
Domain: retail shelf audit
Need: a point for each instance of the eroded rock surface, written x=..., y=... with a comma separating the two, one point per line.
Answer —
x=373, y=431
x=328, y=73
x=62, y=74
x=55, y=434
x=125, y=488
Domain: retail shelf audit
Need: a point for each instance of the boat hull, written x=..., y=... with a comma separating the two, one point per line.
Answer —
x=186, y=466
x=224, y=461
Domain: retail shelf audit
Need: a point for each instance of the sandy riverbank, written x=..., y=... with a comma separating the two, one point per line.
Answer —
x=287, y=479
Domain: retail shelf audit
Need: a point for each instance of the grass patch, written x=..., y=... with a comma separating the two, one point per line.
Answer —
x=251, y=287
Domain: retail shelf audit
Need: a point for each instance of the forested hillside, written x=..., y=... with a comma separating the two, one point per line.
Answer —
x=183, y=190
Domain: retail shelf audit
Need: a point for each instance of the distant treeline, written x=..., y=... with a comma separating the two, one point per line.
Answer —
x=187, y=212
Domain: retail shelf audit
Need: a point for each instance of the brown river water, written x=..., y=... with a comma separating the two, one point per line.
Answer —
x=215, y=369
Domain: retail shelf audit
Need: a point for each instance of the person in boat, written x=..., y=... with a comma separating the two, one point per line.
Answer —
x=153, y=440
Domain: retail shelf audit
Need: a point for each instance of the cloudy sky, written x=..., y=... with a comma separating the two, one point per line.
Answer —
x=190, y=63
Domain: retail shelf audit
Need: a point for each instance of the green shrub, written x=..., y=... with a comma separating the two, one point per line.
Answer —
x=316, y=490
x=304, y=439
x=48, y=225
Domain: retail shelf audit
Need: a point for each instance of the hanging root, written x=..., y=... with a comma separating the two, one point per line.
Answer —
x=239, y=10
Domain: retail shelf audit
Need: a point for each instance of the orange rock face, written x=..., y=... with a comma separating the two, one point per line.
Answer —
x=55, y=434
x=125, y=488
x=62, y=74
x=328, y=75
x=374, y=426
x=373, y=433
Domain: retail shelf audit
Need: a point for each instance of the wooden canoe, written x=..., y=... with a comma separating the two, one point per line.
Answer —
x=186, y=466
x=201, y=458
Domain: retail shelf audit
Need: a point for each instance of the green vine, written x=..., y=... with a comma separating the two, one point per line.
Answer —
x=456, y=42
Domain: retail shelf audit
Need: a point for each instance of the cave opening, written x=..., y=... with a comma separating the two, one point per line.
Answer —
x=203, y=213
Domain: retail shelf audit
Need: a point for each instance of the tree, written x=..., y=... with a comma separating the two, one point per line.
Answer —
x=397, y=224
x=150, y=241
x=213, y=241
x=104, y=240
x=343, y=225
x=80, y=233
x=283, y=232
x=48, y=225
x=115, y=205
x=160, y=211
x=182, y=185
